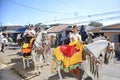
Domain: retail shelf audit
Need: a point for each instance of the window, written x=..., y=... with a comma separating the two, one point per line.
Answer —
x=117, y=38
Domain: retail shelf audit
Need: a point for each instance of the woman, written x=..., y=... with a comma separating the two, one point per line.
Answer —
x=74, y=36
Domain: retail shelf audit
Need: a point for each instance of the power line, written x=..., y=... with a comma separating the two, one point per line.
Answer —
x=107, y=13
x=116, y=17
x=81, y=17
x=42, y=10
x=87, y=16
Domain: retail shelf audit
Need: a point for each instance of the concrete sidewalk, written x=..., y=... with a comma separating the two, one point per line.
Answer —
x=12, y=58
x=13, y=67
x=7, y=74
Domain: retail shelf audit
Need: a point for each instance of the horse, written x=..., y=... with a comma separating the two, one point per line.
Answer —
x=52, y=39
x=95, y=53
x=41, y=49
x=26, y=48
x=101, y=51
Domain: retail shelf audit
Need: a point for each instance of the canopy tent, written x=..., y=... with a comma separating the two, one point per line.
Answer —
x=22, y=29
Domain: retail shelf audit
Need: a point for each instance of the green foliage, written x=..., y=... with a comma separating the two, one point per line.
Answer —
x=95, y=24
x=38, y=24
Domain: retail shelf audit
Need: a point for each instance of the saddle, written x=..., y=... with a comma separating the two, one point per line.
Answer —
x=26, y=47
x=68, y=50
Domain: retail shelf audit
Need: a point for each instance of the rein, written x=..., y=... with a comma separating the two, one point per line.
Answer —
x=91, y=55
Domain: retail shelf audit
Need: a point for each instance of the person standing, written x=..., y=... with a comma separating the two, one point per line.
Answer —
x=83, y=33
x=1, y=42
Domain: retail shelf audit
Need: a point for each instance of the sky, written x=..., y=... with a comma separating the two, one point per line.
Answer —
x=22, y=12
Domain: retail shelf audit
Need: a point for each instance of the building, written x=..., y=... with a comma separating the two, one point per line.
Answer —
x=62, y=32
x=112, y=31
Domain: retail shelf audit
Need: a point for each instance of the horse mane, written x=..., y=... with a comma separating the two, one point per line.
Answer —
x=97, y=47
x=39, y=38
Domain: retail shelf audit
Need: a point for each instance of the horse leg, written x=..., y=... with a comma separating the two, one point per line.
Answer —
x=85, y=66
x=59, y=72
x=36, y=65
x=24, y=66
x=28, y=63
x=46, y=58
x=52, y=66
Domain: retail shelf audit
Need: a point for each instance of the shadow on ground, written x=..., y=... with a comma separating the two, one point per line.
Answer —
x=17, y=67
x=66, y=75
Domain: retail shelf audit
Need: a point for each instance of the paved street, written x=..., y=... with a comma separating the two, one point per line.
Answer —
x=12, y=66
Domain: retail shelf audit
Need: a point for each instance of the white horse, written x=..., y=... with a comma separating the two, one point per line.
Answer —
x=93, y=53
x=101, y=51
x=41, y=49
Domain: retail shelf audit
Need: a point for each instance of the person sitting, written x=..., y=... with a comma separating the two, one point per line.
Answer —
x=74, y=35
x=70, y=54
x=29, y=33
x=29, y=37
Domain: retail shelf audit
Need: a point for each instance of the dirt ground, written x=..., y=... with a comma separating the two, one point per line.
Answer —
x=11, y=68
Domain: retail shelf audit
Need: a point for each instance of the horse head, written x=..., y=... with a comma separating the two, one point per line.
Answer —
x=108, y=55
x=40, y=42
x=52, y=39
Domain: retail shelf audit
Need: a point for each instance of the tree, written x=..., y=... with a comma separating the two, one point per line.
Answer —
x=95, y=24
x=38, y=24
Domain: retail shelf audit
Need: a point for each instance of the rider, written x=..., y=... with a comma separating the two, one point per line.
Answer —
x=29, y=36
x=30, y=32
x=70, y=55
x=74, y=36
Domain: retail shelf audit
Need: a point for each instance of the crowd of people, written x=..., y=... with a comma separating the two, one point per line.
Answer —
x=74, y=34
